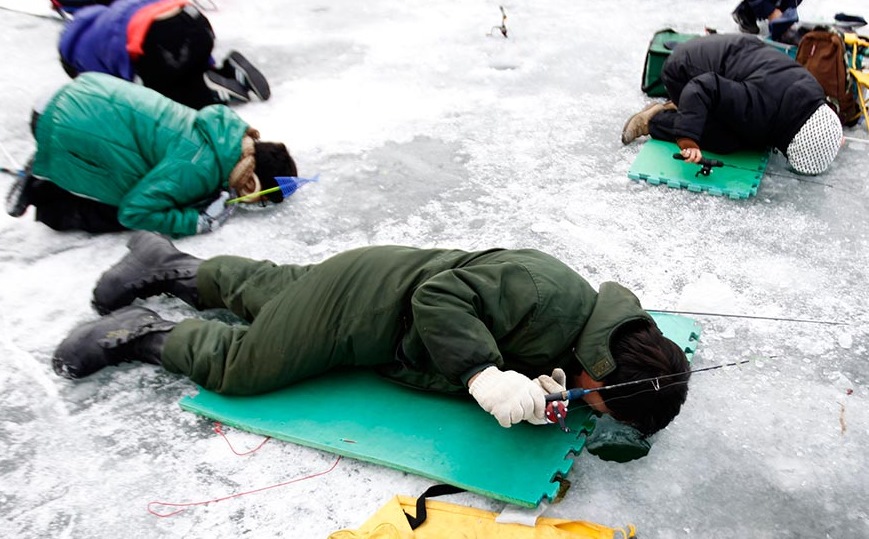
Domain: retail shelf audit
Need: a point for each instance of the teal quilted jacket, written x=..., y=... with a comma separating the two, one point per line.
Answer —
x=110, y=140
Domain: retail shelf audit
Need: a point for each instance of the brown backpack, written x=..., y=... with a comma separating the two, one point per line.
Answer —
x=823, y=54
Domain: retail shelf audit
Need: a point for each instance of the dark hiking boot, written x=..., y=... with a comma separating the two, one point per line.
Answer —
x=20, y=195
x=248, y=75
x=225, y=88
x=152, y=267
x=638, y=124
x=126, y=334
x=744, y=18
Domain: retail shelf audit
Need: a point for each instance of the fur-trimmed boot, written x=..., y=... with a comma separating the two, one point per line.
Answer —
x=152, y=267
x=131, y=333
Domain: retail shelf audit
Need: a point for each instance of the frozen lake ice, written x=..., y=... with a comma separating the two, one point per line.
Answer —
x=426, y=131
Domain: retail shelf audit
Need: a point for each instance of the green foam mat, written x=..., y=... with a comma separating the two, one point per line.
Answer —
x=357, y=414
x=738, y=179
x=682, y=330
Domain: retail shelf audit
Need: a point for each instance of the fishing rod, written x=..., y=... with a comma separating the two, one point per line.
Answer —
x=706, y=166
x=854, y=139
x=579, y=392
x=252, y=196
x=287, y=185
x=503, y=27
x=12, y=172
x=755, y=317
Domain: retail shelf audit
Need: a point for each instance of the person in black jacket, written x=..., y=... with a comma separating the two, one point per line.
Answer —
x=733, y=92
x=781, y=15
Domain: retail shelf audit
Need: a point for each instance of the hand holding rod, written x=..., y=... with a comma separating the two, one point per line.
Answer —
x=709, y=163
x=568, y=394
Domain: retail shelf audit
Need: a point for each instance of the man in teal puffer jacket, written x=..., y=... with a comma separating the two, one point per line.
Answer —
x=113, y=155
x=492, y=323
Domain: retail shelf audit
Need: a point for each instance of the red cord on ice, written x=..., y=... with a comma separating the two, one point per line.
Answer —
x=183, y=506
x=218, y=428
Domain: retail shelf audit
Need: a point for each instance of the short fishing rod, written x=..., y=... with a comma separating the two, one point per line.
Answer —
x=706, y=166
x=860, y=140
x=12, y=172
x=579, y=392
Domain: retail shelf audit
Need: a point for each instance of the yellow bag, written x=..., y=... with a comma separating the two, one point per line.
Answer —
x=446, y=520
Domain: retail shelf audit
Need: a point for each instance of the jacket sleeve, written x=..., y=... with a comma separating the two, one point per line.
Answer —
x=700, y=98
x=166, y=199
x=461, y=314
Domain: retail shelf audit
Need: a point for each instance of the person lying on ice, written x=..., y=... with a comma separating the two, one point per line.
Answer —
x=112, y=155
x=493, y=323
x=732, y=92
x=165, y=44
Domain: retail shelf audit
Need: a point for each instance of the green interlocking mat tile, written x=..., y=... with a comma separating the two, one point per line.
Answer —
x=356, y=413
x=739, y=178
x=680, y=329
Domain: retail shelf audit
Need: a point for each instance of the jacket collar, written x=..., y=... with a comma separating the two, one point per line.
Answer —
x=615, y=306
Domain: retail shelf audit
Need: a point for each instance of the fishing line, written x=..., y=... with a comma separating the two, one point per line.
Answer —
x=59, y=17
x=706, y=166
x=9, y=157
x=576, y=393
x=676, y=383
x=755, y=317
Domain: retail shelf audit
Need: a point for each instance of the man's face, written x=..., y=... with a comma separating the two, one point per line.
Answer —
x=593, y=399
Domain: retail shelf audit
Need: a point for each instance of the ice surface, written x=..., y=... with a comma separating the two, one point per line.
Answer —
x=428, y=132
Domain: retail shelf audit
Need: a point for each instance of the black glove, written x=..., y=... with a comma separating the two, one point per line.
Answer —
x=616, y=441
x=215, y=214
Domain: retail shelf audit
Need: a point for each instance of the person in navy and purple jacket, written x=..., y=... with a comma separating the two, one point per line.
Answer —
x=165, y=45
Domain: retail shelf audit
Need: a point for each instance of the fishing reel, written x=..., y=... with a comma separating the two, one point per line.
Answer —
x=556, y=412
x=706, y=165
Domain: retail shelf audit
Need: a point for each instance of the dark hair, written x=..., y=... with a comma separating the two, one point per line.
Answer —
x=641, y=351
x=272, y=159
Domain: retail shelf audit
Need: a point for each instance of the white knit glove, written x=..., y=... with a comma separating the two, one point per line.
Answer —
x=553, y=384
x=509, y=396
x=215, y=214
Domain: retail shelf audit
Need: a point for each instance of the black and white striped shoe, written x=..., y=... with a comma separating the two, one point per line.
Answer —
x=226, y=89
x=251, y=77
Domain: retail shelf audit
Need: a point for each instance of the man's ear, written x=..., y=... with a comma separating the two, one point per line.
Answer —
x=250, y=185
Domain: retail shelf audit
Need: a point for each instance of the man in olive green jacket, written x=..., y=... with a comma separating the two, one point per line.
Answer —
x=113, y=155
x=494, y=323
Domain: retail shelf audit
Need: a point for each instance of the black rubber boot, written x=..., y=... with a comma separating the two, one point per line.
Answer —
x=124, y=335
x=152, y=267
